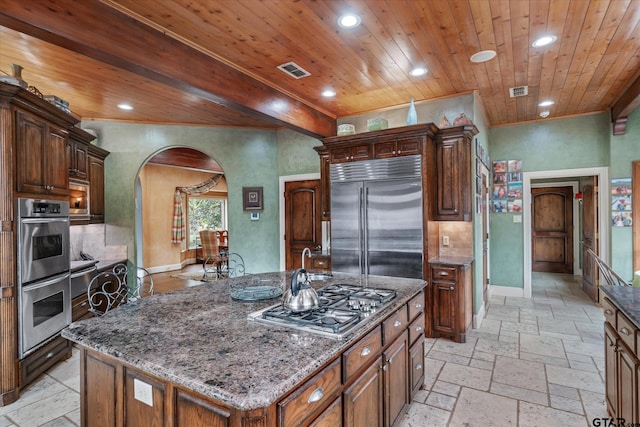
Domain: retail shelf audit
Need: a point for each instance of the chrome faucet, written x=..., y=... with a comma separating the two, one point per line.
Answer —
x=305, y=251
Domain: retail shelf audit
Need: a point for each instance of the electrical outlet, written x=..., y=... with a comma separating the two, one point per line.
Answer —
x=445, y=240
x=143, y=392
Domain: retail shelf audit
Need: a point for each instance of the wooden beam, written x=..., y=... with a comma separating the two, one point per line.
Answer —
x=629, y=101
x=96, y=30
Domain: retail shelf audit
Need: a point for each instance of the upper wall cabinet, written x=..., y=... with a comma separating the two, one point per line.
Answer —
x=453, y=195
x=77, y=153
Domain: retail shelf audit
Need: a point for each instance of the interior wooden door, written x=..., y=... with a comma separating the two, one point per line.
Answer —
x=485, y=240
x=589, y=240
x=552, y=229
x=635, y=214
x=303, y=225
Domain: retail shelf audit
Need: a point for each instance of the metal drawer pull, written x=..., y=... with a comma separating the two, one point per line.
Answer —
x=608, y=312
x=418, y=328
x=316, y=395
x=418, y=367
x=397, y=323
x=50, y=355
x=365, y=351
x=625, y=331
x=443, y=273
x=83, y=304
x=418, y=305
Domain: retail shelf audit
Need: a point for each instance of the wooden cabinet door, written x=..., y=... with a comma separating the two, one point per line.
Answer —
x=30, y=148
x=137, y=412
x=610, y=363
x=325, y=186
x=100, y=389
x=360, y=152
x=447, y=179
x=396, y=381
x=627, y=385
x=416, y=366
x=409, y=146
x=78, y=161
x=192, y=411
x=383, y=150
x=330, y=417
x=362, y=400
x=96, y=189
x=56, y=161
x=444, y=308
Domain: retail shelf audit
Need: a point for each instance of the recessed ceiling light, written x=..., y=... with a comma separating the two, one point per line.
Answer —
x=328, y=93
x=349, y=20
x=125, y=106
x=546, y=103
x=543, y=41
x=418, y=71
x=483, y=56
x=544, y=114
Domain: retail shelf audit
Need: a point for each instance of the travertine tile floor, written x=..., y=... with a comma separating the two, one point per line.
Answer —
x=533, y=362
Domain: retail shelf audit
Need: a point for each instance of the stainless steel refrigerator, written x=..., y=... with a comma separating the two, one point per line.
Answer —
x=376, y=217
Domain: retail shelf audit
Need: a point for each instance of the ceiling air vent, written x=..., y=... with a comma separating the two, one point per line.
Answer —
x=294, y=70
x=514, y=92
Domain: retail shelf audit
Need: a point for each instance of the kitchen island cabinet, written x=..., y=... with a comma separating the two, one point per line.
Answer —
x=191, y=357
x=622, y=352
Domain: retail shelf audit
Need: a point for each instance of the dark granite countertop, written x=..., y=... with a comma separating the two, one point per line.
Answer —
x=627, y=299
x=452, y=260
x=201, y=339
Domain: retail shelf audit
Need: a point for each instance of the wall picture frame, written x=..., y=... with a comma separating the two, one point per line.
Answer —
x=252, y=198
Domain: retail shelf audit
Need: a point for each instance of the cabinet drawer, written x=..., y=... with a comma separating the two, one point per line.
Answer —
x=416, y=305
x=609, y=312
x=394, y=325
x=626, y=330
x=416, y=330
x=35, y=364
x=443, y=273
x=359, y=354
x=309, y=397
x=80, y=308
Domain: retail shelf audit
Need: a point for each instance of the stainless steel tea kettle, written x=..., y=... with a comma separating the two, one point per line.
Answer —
x=300, y=296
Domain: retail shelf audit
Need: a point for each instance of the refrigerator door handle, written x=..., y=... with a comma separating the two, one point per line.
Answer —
x=361, y=225
x=365, y=228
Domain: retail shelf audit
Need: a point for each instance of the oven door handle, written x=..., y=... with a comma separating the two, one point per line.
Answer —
x=48, y=220
x=47, y=282
x=82, y=272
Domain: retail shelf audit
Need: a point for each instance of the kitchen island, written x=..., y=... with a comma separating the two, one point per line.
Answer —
x=191, y=357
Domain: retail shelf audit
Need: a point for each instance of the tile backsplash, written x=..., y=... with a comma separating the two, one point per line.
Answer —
x=460, y=236
x=91, y=240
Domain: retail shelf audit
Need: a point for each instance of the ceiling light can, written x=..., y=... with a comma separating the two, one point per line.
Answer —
x=349, y=20
x=544, y=41
x=483, y=56
x=544, y=114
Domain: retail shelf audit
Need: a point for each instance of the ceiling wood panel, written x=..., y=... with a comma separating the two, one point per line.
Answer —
x=171, y=57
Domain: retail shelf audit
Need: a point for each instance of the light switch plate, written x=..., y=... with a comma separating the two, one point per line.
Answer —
x=143, y=392
x=517, y=218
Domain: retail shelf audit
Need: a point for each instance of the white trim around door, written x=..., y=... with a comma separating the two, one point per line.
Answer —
x=603, y=212
x=282, y=180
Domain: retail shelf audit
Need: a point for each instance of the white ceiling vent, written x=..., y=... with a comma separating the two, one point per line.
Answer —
x=514, y=92
x=294, y=70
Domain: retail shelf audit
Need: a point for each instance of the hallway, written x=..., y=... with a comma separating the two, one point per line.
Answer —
x=533, y=362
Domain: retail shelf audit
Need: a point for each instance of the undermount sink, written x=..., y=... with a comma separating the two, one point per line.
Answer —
x=319, y=276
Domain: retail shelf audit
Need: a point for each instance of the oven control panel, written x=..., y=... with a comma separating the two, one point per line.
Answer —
x=42, y=208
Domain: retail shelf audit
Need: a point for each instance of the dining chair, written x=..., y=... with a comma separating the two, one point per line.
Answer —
x=212, y=258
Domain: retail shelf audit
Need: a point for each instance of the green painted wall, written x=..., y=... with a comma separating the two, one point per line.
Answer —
x=248, y=157
x=576, y=142
x=624, y=150
x=296, y=154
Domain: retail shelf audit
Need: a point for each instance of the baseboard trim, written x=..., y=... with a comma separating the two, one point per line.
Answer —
x=507, y=291
x=164, y=268
x=479, y=317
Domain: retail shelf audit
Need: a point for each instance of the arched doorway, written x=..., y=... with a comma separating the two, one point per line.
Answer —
x=155, y=187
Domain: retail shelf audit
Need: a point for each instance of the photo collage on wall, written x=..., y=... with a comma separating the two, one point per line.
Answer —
x=621, y=202
x=507, y=186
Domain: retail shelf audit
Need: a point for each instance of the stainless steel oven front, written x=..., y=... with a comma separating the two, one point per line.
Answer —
x=45, y=310
x=43, y=271
x=43, y=238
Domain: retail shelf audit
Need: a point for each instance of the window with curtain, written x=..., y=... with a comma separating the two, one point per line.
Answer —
x=205, y=213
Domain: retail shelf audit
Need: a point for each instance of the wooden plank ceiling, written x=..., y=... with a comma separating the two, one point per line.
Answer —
x=214, y=62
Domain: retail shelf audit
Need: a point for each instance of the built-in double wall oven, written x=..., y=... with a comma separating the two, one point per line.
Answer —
x=43, y=271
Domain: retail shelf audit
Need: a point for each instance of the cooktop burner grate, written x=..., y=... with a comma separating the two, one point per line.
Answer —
x=341, y=308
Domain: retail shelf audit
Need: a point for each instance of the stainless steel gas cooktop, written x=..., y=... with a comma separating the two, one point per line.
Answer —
x=341, y=309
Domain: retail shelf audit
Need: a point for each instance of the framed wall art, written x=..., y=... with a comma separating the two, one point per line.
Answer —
x=252, y=198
